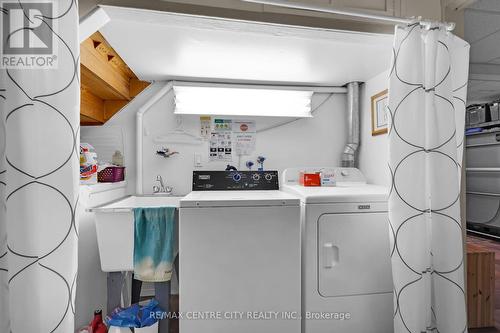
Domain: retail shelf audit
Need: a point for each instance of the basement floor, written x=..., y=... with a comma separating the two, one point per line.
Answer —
x=490, y=244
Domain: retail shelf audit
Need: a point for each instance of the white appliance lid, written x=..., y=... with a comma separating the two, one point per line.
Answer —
x=354, y=193
x=238, y=199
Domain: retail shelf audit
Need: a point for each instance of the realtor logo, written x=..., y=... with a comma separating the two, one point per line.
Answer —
x=27, y=35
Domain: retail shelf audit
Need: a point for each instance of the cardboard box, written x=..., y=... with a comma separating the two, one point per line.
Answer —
x=310, y=179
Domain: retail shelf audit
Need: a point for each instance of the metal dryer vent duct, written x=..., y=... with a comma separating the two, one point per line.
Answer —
x=350, y=154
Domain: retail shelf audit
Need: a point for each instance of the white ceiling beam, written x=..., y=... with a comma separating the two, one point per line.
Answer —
x=92, y=22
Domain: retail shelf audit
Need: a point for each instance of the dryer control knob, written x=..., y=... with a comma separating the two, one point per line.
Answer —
x=268, y=176
x=256, y=176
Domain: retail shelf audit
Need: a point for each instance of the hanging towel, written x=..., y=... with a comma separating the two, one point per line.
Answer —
x=154, y=243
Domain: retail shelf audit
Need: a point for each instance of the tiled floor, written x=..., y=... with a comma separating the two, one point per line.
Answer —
x=494, y=246
x=491, y=244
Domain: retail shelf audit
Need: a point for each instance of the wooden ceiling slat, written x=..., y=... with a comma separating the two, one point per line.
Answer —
x=107, y=51
x=107, y=83
x=98, y=65
x=91, y=106
x=111, y=107
x=136, y=86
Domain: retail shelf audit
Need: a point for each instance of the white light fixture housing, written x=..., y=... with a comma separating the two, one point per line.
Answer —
x=242, y=101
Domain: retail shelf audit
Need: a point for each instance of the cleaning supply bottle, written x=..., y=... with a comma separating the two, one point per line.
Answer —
x=260, y=161
x=101, y=328
x=97, y=323
x=117, y=158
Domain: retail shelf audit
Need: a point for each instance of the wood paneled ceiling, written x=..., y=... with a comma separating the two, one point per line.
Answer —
x=107, y=83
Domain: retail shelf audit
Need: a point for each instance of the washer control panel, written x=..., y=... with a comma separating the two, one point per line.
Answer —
x=235, y=180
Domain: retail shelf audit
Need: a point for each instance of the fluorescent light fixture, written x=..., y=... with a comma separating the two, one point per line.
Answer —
x=236, y=101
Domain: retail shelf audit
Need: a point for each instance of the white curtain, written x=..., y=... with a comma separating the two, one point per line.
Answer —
x=39, y=172
x=427, y=93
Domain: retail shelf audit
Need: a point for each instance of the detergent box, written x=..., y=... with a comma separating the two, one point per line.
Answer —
x=88, y=164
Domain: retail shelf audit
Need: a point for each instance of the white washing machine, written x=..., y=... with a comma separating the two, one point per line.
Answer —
x=346, y=269
x=239, y=252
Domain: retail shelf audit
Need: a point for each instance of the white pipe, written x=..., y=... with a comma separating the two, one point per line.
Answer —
x=483, y=170
x=343, y=11
x=349, y=157
x=140, y=129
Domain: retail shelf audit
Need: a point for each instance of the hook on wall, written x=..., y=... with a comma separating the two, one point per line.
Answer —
x=166, y=152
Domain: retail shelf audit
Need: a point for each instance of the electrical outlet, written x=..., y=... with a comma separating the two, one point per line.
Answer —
x=198, y=161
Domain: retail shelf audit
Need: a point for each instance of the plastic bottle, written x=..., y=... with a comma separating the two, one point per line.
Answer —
x=96, y=321
x=117, y=158
x=97, y=325
x=260, y=161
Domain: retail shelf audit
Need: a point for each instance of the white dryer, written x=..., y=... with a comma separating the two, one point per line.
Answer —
x=346, y=269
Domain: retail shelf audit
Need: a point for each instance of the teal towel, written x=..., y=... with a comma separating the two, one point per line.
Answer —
x=154, y=243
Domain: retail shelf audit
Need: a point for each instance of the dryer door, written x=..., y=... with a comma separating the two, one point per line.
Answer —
x=353, y=254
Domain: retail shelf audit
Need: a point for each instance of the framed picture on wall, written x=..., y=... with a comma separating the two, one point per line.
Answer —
x=379, y=113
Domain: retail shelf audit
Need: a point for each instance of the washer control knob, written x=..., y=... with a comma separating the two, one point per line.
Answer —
x=256, y=177
x=237, y=177
x=268, y=177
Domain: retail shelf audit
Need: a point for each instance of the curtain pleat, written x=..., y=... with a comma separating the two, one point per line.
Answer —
x=39, y=175
x=4, y=268
x=427, y=91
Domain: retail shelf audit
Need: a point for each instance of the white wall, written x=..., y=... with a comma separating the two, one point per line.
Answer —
x=373, y=152
x=307, y=142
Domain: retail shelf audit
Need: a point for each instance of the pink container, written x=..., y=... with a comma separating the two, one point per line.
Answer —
x=111, y=175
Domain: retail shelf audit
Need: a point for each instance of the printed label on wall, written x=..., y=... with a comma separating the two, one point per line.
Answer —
x=221, y=141
x=244, y=136
x=205, y=127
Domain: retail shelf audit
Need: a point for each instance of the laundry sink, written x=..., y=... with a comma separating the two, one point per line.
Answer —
x=115, y=228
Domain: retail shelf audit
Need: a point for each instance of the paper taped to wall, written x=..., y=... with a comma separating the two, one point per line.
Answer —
x=205, y=127
x=245, y=133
